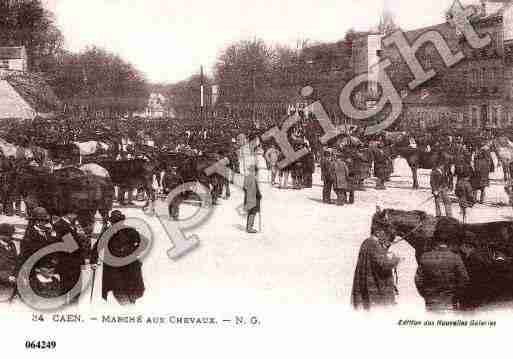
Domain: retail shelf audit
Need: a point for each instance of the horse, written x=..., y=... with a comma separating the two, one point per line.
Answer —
x=67, y=190
x=417, y=159
x=490, y=266
x=132, y=173
x=62, y=152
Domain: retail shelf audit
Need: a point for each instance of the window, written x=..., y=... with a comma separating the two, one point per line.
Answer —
x=427, y=59
x=499, y=40
x=495, y=116
x=475, y=117
x=475, y=78
x=483, y=78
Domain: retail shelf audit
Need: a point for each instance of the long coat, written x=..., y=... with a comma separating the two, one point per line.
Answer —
x=483, y=165
x=381, y=163
x=440, y=278
x=327, y=169
x=341, y=173
x=373, y=283
x=252, y=195
x=128, y=279
x=33, y=241
x=70, y=263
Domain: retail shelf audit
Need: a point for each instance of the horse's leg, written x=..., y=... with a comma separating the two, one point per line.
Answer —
x=415, y=176
x=150, y=198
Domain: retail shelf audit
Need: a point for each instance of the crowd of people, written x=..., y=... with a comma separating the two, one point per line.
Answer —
x=55, y=275
x=345, y=163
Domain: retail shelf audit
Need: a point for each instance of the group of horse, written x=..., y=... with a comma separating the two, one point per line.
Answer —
x=421, y=154
x=86, y=184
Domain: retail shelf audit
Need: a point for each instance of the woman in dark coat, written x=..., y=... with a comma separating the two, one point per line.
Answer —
x=125, y=282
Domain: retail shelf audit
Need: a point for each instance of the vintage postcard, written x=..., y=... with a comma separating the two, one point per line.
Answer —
x=256, y=178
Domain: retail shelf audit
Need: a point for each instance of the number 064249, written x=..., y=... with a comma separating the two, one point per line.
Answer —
x=40, y=344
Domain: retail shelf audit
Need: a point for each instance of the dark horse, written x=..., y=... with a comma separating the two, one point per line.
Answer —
x=132, y=173
x=490, y=264
x=418, y=158
x=67, y=190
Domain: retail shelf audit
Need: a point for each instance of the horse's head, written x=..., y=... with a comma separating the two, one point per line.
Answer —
x=404, y=224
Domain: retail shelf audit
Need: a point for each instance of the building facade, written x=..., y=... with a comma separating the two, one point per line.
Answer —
x=13, y=59
x=23, y=95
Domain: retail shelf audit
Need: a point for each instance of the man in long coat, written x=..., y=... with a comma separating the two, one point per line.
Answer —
x=125, y=282
x=341, y=184
x=373, y=284
x=252, y=198
x=381, y=166
x=70, y=264
x=441, y=275
x=483, y=165
x=327, y=176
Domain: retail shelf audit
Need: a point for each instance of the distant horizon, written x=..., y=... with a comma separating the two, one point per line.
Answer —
x=168, y=41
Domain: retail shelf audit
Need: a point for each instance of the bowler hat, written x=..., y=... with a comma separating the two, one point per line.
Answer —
x=40, y=213
x=116, y=216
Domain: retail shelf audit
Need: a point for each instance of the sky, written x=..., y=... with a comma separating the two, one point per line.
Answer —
x=168, y=40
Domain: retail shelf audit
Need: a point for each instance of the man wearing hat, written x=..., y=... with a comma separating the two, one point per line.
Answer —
x=272, y=156
x=327, y=175
x=441, y=275
x=70, y=264
x=340, y=174
x=171, y=181
x=125, y=282
x=381, y=167
x=252, y=197
x=373, y=283
x=440, y=188
x=38, y=234
x=8, y=263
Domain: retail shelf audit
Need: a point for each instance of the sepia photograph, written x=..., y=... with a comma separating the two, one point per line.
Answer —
x=256, y=178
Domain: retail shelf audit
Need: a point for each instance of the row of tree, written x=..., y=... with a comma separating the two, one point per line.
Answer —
x=253, y=71
x=92, y=73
